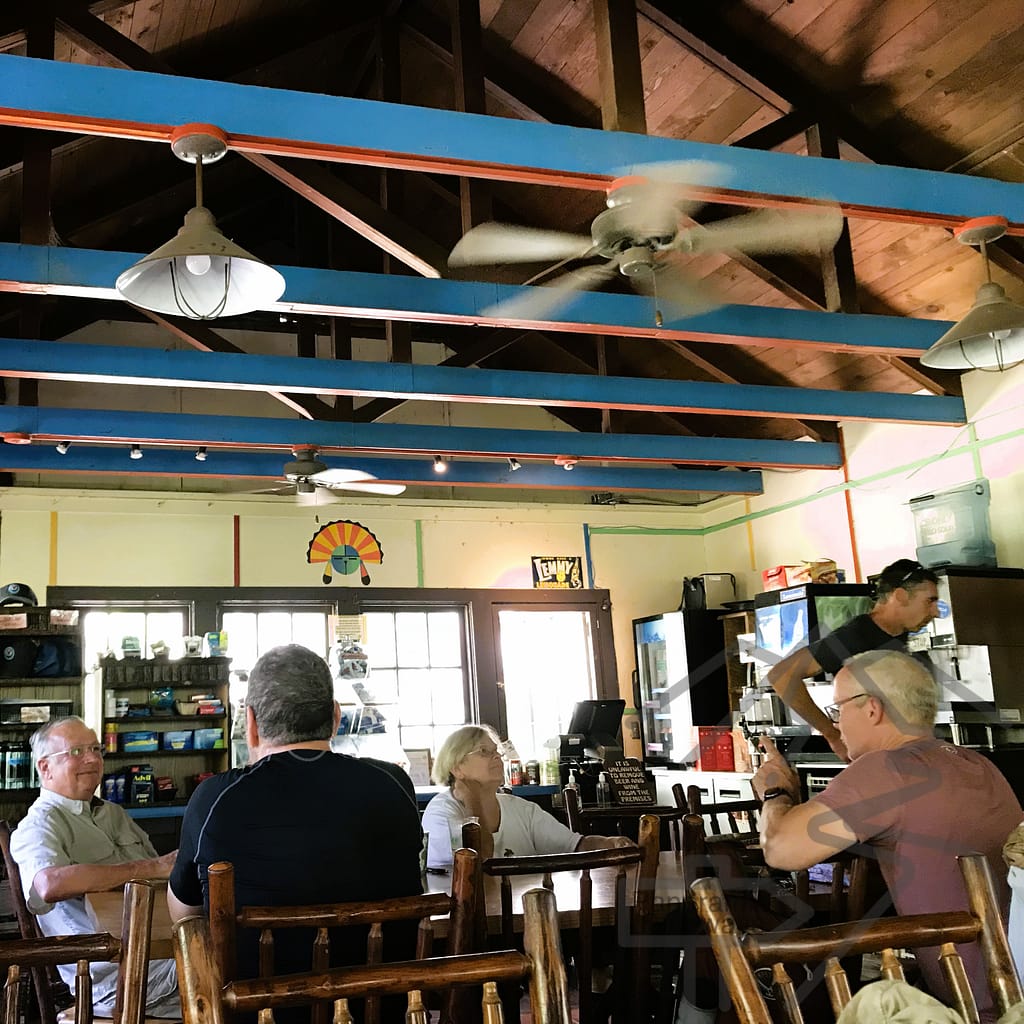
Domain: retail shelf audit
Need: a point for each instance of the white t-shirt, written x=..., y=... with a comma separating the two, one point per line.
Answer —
x=525, y=829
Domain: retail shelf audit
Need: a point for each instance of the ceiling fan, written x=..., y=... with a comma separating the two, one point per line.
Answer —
x=642, y=235
x=309, y=475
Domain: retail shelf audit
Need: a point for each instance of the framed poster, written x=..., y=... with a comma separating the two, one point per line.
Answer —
x=557, y=572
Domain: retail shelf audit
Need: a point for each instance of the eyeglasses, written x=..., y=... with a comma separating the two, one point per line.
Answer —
x=833, y=710
x=487, y=752
x=76, y=752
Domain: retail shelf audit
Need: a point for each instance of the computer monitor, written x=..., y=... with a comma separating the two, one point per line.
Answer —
x=598, y=720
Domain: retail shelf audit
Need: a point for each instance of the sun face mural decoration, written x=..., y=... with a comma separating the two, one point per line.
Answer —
x=344, y=546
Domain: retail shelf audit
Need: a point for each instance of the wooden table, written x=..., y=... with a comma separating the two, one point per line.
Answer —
x=105, y=910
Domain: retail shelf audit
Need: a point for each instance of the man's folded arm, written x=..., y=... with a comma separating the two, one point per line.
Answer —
x=179, y=910
x=68, y=881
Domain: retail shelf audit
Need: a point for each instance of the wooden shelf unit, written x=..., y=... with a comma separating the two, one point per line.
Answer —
x=36, y=625
x=135, y=679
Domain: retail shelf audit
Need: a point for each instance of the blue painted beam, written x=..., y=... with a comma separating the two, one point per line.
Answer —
x=91, y=273
x=134, y=104
x=254, y=432
x=415, y=472
x=109, y=364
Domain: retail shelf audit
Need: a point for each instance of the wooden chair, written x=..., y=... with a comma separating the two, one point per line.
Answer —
x=739, y=956
x=459, y=907
x=45, y=979
x=622, y=819
x=633, y=919
x=131, y=952
x=205, y=998
x=741, y=817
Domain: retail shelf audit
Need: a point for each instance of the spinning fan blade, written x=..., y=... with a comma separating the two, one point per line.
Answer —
x=538, y=302
x=390, y=489
x=670, y=182
x=353, y=480
x=506, y=243
x=678, y=294
x=766, y=231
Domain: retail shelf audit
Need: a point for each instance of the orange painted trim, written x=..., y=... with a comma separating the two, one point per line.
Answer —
x=858, y=577
x=237, y=549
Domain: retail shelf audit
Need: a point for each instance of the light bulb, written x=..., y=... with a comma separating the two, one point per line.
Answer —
x=198, y=264
x=999, y=335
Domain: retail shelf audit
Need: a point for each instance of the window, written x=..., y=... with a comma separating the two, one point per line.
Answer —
x=417, y=673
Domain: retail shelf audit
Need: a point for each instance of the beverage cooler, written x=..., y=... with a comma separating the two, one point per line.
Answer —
x=680, y=682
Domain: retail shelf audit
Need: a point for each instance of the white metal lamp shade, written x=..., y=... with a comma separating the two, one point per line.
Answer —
x=990, y=336
x=200, y=274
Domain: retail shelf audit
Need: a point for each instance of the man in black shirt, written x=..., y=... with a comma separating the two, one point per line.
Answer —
x=300, y=824
x=905, y=600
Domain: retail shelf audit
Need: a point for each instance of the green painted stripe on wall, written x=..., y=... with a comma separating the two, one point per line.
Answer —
x=419, y=553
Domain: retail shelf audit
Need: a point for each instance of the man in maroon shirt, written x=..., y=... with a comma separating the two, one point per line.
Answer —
x=912, y=801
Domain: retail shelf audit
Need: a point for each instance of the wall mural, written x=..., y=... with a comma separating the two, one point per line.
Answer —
x=344, y=546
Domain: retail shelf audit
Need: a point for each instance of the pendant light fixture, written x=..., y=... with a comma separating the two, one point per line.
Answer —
x=991, y=335
x=199, y=273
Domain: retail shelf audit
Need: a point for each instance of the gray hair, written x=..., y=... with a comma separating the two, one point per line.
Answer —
x=40, y=742
x=291, y=695
x=902, y=683
x=459, y=745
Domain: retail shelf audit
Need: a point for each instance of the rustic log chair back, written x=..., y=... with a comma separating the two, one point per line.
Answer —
x=459, y=906
x=621, y=818
x=633, y=918
x=739, y=955
x=742, y=817
x=131, y=951
x=206, y=999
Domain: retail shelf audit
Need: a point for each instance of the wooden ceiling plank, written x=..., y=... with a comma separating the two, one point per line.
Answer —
x=618, y=65
x=349, y=206
x=782, y=129
x=94, y=35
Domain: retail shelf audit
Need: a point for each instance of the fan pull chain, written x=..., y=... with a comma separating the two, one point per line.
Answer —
x=659, y=320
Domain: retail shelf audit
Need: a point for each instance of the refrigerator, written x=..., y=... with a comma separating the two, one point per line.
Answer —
x=679, y=682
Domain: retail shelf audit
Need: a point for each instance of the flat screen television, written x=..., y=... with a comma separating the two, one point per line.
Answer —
x=786, y=620
x=597, y=718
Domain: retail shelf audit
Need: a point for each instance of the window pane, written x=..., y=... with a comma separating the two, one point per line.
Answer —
x=539, y=700
x=166, y=626
x=242, y=644
x=417, y=737
x=414, y=696
x=445, y=638
x=411, y=631
x=381, y=687
x=310, y=630
x=380, y=638
x=446, y=694
x=275, y=628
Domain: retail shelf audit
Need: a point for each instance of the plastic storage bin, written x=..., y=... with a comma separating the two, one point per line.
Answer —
x=952, y=527
x=208, y=739
x=177, y=740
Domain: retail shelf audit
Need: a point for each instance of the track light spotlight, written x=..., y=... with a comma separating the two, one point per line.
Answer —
x=201, y=454
x=567, y=462
x=440, y=466
x=62, y=447
x=136, y=452
x=514, y=464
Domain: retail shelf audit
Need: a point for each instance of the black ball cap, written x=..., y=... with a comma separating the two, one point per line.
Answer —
x=17, y=593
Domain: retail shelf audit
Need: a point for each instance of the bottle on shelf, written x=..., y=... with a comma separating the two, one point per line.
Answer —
x=604, y=791
x=571, y=784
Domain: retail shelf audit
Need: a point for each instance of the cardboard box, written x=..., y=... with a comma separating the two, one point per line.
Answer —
x=821, y=570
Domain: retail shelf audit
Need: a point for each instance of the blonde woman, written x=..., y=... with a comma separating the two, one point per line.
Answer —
x=469, y=764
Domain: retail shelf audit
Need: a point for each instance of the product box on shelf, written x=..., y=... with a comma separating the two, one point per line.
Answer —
x=177, y=739
x=208, y=739
x=715, y=746
x=139, y=742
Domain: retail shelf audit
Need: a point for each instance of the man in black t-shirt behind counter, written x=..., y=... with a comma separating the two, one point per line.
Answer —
x=300, y=824
x=906, y=599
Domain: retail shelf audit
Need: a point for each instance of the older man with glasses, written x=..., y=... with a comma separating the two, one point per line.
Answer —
x=906, y=599
x=71, y=843
x=910, y=800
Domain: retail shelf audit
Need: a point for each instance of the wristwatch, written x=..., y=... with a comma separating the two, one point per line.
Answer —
x=774, y=791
